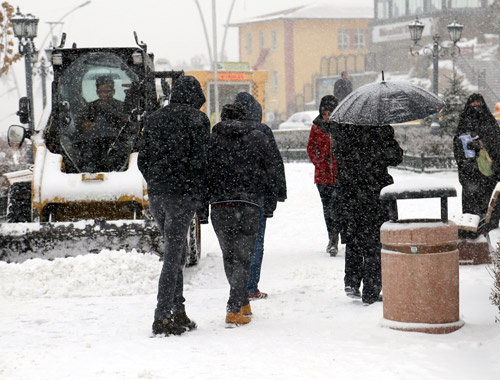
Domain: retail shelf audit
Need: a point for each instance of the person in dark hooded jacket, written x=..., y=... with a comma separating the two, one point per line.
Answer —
x=172, y=159
x=241, y=180
x=319, y=150
x=254, y=118
x=363, y=155
x=477, y=135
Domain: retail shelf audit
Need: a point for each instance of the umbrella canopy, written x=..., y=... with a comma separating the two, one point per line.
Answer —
x=386, y=103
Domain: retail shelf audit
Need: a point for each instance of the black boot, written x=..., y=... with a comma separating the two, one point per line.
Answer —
x=183, y=320
x=168, y=327
x=332, y=247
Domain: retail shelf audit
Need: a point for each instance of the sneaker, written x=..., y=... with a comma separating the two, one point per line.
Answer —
x=183, y=320
x=236, y=319
x=369, y=302
x=257, y=295
x=352, y=292
x=246, y=310
x=167, y=327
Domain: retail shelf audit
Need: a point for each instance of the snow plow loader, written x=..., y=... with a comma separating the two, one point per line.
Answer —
x=84, y=192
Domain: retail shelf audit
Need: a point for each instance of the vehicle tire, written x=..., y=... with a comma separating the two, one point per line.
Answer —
x=193, y=244
x=19, y=203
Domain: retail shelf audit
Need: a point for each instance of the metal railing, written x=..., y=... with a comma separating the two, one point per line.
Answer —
x=416, y=163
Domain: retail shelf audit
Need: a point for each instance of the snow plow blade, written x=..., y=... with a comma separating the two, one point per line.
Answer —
x=22, y=241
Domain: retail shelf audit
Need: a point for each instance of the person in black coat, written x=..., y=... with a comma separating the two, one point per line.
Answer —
x=342, y=86
x=363, y=155
x=172, y=159
x=253, y=118
x=477, y=129
x=241, y=180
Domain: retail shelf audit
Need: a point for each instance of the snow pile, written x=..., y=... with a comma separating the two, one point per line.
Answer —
x=113, y=273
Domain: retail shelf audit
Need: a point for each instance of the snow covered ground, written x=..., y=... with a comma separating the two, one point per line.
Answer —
x=90, y=317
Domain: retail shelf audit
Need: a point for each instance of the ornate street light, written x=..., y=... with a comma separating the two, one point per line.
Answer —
x=25, y=29
x=416, y=29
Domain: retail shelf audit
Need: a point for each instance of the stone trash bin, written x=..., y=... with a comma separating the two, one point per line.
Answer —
x=420, y=268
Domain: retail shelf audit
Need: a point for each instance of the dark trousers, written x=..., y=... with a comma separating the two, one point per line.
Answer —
x=258, y=255
x=328, y=195
x=173, y=214
x=362, y=263
x=236, y=228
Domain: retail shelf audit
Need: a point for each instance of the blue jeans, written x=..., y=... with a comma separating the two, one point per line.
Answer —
x=258, y=254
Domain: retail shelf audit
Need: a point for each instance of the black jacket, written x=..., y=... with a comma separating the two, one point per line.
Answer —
x=479, y=124
x=239, y=168
x=363, y=155
x=254, y=117
x=172, y=153
x=342, y=88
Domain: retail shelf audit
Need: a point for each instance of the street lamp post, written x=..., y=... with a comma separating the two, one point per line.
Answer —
x=455, y=30
x=25, y=29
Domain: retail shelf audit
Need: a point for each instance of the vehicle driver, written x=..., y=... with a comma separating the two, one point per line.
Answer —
x=98, y=126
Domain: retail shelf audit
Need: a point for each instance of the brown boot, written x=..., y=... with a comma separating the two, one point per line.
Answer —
x=246, y=310
x=236, y=319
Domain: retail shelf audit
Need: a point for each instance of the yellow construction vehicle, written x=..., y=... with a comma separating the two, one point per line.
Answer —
x=84, y=191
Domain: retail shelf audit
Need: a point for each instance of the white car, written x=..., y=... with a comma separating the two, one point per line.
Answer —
x=299, y=120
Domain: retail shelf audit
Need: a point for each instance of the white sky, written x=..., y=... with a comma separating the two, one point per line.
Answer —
x=171, y=28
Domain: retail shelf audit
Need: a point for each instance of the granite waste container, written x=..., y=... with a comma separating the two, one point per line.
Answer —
x=420, y=266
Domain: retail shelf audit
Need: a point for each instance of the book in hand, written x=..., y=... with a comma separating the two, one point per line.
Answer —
x=469, y=153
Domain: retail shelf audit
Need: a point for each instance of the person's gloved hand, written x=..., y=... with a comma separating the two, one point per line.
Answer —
x=474, y=145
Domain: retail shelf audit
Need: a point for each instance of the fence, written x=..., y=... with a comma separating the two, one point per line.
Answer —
x=417, y=163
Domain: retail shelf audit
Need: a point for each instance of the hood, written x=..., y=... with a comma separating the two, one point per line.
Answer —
x=254, y=109
x=328, y=103
x=232, y=128
x=471, y=116
x=187, y=90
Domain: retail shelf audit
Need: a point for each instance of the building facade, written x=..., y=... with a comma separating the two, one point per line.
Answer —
x=304, y=49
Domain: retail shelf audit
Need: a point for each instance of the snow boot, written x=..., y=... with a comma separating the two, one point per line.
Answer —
x=182, y=319
x=167, y=327
x=236, y=319
x=332, y=247
x=352, y=292
x=368, y=302
x=246, y=310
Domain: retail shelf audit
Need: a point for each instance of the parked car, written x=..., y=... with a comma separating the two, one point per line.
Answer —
x=299, y=120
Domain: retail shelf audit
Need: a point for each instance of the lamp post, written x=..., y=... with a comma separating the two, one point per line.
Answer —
x=455, y=31
x=25, y=29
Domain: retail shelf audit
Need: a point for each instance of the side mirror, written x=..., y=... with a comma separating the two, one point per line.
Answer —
x=16, y=136
x=24, y=110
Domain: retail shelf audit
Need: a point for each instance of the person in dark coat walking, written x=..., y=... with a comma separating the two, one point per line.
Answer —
x=241, y=181
x=253, y=118
x=172, y=159
x=363, y=155
x=342, y=86
x=319, y=149
x=477, y=135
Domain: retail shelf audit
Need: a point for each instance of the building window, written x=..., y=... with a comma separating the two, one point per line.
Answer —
x=343, y=39
x=382, y=9
x=249, y=43
x=261, y=40
x=435, y=5
x=399, y=8
x=465, y=3
x=359, y=39
x=415, y=7
x=274, y=40
x=275, y=81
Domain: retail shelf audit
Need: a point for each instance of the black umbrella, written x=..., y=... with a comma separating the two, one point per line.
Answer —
x=386, y=103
